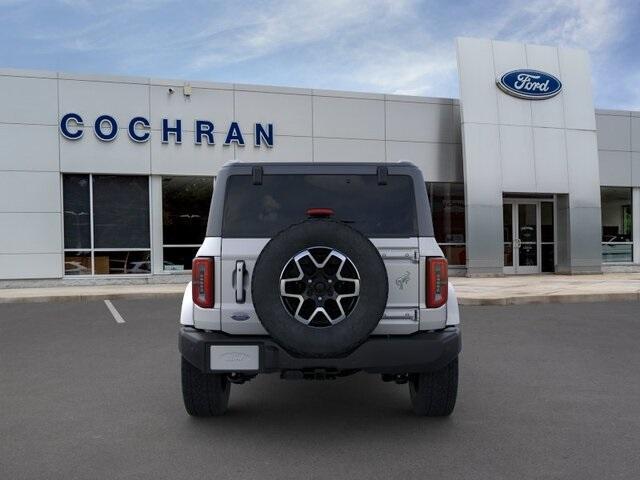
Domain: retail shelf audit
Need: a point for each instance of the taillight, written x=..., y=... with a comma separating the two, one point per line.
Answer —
x=202, y=282
x=437, y=282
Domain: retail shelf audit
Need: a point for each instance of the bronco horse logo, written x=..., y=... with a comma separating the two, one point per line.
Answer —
x=403, y=280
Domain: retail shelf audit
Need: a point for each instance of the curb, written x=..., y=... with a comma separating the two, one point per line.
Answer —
x=462, y=300
x=548, y=299
x=91, y=297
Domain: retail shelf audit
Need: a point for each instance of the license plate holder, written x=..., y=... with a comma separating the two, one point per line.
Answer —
x=234, y=358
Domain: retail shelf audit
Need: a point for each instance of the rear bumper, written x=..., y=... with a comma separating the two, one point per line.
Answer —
x=420, y=352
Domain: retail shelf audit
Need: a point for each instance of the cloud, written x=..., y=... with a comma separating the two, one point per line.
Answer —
x=394, y=46
x=631, y=93
x=428, y=66
x=429, y=71
x=590, y=24
x=389, y=47
x=288, y=24
x=97, y=7
x=374, y=45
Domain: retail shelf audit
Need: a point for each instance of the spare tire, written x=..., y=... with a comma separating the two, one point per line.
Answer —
x=319, y=288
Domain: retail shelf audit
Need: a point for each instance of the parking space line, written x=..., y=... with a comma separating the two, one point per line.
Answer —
x=116, y=315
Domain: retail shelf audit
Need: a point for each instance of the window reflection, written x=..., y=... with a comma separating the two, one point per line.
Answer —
x=118, y=208
x=185, y=212
x=448, y=216
x=617, y=224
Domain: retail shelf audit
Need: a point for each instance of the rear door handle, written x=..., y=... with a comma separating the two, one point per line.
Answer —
x=240, y=294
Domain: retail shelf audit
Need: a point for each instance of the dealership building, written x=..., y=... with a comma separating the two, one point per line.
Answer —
x=109, y=178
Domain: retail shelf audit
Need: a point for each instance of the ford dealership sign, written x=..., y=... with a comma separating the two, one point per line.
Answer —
x=106, y=128
x=529, y=84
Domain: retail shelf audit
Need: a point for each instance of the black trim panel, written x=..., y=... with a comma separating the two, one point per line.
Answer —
x=420, y=352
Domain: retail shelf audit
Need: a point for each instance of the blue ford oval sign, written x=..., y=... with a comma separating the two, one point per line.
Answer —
x=529, y=84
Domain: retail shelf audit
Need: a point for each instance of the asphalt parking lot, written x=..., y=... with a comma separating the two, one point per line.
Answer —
x=547, y=391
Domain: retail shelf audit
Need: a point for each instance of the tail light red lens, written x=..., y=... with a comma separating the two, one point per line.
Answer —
x=320, y=212
x=202, y=282
x=437, y=282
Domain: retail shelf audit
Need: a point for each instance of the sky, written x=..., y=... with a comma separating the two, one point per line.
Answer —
x=385, y=46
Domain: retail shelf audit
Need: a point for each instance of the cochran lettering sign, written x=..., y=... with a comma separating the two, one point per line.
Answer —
x=106, y=128
x=529, y=84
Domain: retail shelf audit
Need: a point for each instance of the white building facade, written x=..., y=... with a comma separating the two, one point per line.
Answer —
x=110, y=178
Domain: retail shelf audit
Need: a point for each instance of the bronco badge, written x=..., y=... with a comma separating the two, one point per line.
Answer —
x=403, y=280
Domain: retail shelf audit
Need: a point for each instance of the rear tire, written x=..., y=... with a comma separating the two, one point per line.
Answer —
x=433, y=394
x=204, y=394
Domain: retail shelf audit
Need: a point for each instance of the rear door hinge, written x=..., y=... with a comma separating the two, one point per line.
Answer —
x=256, y=173
x=401, y=314
x=412, y=256
x=383, y=172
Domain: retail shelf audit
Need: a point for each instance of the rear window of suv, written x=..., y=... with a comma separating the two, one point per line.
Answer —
x=259, y=211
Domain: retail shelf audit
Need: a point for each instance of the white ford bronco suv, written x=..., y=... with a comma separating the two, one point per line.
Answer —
x=319, y=271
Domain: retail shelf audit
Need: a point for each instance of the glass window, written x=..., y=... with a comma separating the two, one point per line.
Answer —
x=455, y=254
x=375, y=210
x=617, y=224
x=548, y=257
x=120, y=211
x=77, y=221
x=547, y=233
x=547, y=237
x=122, y=262
x=185, y=211
x=118, y=208
x=448, y=215
x=177, y=259
x=507, y=233
x=77, y=263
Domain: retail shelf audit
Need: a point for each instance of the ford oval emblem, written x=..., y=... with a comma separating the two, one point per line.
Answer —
x=529, y=84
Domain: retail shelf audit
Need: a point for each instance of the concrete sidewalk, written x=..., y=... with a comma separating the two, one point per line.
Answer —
x=515, y=290
x=90, y=292
x=518, y=290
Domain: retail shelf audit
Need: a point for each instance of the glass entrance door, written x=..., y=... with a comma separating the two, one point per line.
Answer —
x=526, y=240
x=521, y=236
